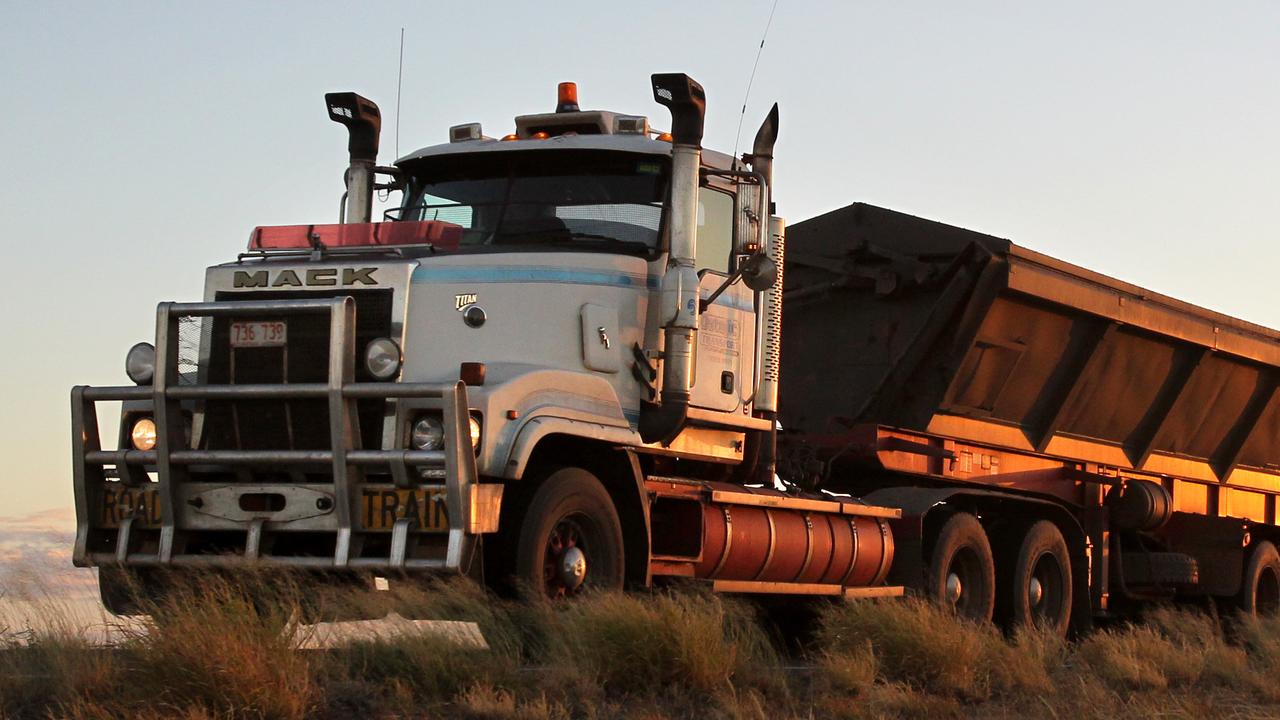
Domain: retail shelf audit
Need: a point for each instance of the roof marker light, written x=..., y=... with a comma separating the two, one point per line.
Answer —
x=540, y=135
x=631, y=125
x=567, y=97
x=665, y=137
x=462, y=133
x=509, y=138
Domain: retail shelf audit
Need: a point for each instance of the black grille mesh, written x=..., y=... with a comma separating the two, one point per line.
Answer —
x=284, y=424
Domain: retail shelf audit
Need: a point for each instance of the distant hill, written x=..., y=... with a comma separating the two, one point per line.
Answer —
x=35, y=558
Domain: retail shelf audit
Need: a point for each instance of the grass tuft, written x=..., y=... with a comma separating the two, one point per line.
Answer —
x=920, y=645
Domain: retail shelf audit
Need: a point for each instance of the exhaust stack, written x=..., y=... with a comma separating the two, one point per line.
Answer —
x=364, y=124
x=762, y=150
x=685, y=98
x=762, y=162
x=770, y=321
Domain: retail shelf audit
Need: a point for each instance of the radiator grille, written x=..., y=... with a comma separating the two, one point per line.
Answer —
x=282, y=424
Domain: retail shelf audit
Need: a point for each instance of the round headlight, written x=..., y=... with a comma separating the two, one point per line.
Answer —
x=140, y=363
x=428, y=434
x=475, y=431
x=382, y=358
x=143, y=434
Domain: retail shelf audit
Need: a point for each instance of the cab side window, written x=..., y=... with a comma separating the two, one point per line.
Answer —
x=715, y=230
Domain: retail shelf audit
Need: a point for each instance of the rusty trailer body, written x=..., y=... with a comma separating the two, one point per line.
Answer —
x=920, y=355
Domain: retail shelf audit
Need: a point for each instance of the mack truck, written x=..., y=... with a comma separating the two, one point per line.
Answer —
x=561, y=363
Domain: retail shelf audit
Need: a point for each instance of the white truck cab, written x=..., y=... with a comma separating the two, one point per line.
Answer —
x=547, y=365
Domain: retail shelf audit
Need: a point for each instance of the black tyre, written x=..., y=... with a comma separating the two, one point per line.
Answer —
x=120, y=591
x=962, y=573
x=1260, y=589
x=1040, y=583
x=570, y=537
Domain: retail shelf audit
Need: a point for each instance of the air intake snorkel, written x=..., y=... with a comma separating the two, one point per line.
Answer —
x=364, y=124
x=685, y=98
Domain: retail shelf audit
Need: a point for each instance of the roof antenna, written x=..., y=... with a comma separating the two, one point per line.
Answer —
x=399, y=79
x=751, y=80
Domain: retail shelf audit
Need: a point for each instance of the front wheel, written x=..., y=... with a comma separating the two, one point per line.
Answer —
x=570, y=538
x=121, y=591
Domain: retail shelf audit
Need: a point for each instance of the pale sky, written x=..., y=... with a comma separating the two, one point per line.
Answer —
x=143, y=141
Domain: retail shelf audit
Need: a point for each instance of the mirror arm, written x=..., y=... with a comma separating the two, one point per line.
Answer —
x=733, y=278
x=396, y=175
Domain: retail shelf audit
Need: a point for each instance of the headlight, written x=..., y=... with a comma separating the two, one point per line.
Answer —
x=428, y=434
x=382, y=358
x=475, y=431
x=140, y=363
x=143, y=434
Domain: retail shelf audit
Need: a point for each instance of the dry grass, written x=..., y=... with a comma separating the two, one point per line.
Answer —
x=219, y=649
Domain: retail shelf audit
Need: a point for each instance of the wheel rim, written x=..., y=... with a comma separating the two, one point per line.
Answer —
x=1267, y=595
x=566, y=557
x=1045, y=590
x=962, y=589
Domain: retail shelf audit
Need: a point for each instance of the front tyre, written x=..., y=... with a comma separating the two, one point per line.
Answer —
x=120, y=591
x=570, y=538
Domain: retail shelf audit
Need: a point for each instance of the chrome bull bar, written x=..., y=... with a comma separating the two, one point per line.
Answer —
x=469, y=510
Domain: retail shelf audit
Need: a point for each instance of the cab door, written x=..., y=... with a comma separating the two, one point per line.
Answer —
x=724, y=359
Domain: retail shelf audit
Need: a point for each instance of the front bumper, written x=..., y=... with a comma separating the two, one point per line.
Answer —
x=187, y=506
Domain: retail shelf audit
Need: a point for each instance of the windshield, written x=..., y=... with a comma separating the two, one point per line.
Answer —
x=608, y=202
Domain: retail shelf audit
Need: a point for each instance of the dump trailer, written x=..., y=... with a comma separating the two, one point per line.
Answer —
x=553, y=365
x=1063, y=445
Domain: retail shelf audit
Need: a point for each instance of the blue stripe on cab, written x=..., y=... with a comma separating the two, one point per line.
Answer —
x=532, y=274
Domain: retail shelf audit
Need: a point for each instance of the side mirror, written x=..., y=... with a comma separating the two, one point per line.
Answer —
x=759, y=272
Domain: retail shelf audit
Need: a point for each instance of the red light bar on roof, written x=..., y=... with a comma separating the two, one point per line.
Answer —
x=444, y=235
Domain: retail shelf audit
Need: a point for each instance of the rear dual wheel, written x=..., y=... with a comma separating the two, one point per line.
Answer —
x=1260, y=591
x=962, y=572
x=1039, y=585
x=1037, y=590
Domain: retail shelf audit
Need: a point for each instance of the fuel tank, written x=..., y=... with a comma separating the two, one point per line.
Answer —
x=724, y=532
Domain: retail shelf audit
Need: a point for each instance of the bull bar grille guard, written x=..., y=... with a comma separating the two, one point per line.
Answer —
x=171, y=457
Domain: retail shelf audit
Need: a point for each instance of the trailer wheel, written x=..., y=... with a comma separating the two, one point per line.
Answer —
x=1041, y=580
x=1260, y=592
x=962, y=571
x=571, y=538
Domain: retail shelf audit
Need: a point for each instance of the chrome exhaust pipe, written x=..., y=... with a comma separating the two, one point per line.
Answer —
x=770, y=353
x=770, y=333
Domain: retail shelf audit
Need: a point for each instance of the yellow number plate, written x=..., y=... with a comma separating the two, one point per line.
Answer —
x=119, y=502
x=380, y=508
